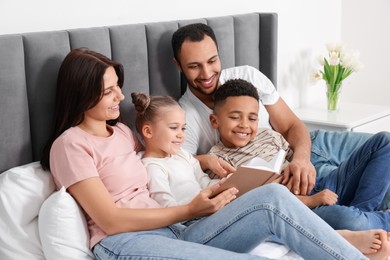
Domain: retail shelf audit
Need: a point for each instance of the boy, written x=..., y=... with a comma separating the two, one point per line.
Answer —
x=235, y=116
x=352, y=192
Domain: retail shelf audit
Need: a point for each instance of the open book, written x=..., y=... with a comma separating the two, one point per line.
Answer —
x=274, y=165
x=254, y=174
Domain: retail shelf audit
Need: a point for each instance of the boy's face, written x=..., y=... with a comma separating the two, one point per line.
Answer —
x=200, y=64
x=236, y=120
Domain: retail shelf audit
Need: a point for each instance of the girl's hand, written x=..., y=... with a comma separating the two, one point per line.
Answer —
x=203, y=205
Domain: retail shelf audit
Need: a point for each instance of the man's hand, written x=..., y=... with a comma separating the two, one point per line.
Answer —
x=303, y=176
x=218, y=166
x=284, y=121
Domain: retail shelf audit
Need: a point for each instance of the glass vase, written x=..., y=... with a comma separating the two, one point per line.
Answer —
x=333, y=97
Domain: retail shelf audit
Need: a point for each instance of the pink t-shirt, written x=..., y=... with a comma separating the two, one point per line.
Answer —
x=77, y=155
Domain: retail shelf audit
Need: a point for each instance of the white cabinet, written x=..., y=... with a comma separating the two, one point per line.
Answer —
x=350, y=117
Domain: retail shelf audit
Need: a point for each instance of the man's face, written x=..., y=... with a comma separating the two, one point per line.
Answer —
x=200, y=64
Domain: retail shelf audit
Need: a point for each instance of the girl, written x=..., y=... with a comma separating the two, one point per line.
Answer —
x=174, y=176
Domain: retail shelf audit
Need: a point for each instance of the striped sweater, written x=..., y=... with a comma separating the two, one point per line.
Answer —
x=265, y=145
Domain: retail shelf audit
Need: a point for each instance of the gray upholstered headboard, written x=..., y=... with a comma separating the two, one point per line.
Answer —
x=29, y=63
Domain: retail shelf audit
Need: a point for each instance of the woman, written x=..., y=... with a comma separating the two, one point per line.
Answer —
x=94, y=157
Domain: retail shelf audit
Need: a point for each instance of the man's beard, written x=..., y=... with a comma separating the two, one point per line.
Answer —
x=200, y=90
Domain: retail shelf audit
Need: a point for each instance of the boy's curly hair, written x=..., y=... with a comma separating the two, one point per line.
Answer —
x=234, y=88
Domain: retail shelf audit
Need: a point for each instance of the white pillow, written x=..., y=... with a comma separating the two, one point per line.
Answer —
x=274, y=250
x=63, y=228
x=23, y=189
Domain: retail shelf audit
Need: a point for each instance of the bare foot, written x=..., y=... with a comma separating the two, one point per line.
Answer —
x=367, y=241
x=384, y=252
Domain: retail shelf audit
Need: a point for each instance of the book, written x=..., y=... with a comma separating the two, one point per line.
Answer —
x=275, y=165
x=255, y=173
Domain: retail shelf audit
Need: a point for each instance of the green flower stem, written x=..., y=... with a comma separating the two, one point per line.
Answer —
x=333, y=96
x=333, y=100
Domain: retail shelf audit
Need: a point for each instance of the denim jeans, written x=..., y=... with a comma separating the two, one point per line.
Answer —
x=330, y=148
x=235, y=230
x=361, y=182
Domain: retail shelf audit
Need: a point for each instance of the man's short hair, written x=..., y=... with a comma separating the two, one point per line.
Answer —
x=194, y=32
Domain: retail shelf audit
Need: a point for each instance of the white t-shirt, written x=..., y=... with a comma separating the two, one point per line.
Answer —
x=200, y=136
x=175, y=180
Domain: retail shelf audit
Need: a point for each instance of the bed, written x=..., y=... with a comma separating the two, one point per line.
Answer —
x=38, y=222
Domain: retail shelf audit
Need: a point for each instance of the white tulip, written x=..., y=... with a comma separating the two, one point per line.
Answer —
x=334, y=59
x=321, y=60
x=335, y=47
x=350, y=59
x=356, y=66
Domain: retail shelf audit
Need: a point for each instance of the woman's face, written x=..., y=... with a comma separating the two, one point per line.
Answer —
x=108, y=107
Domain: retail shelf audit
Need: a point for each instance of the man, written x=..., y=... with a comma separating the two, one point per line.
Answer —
x=195, y=51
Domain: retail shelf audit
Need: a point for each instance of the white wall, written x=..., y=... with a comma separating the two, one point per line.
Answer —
x=366, y=26
x=305, y=26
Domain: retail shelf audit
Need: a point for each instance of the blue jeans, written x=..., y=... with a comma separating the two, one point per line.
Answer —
x=235, y=230
x=361, y=182
x=330, y=148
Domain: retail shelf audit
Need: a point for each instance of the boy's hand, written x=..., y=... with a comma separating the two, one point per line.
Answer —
x=218, y=166
x=324, y=197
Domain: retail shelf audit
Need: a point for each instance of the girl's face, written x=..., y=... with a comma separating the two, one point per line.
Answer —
x=165, y=135
x=108, y=106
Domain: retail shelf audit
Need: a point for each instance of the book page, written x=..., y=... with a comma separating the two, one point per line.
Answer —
x=274, y=165
x=259, y=163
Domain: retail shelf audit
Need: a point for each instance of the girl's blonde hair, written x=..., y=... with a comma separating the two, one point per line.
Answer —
x=149, y=107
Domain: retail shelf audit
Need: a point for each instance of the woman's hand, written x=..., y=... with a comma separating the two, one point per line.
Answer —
x=203, y=205
x=94, y=198
x=218, y=166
